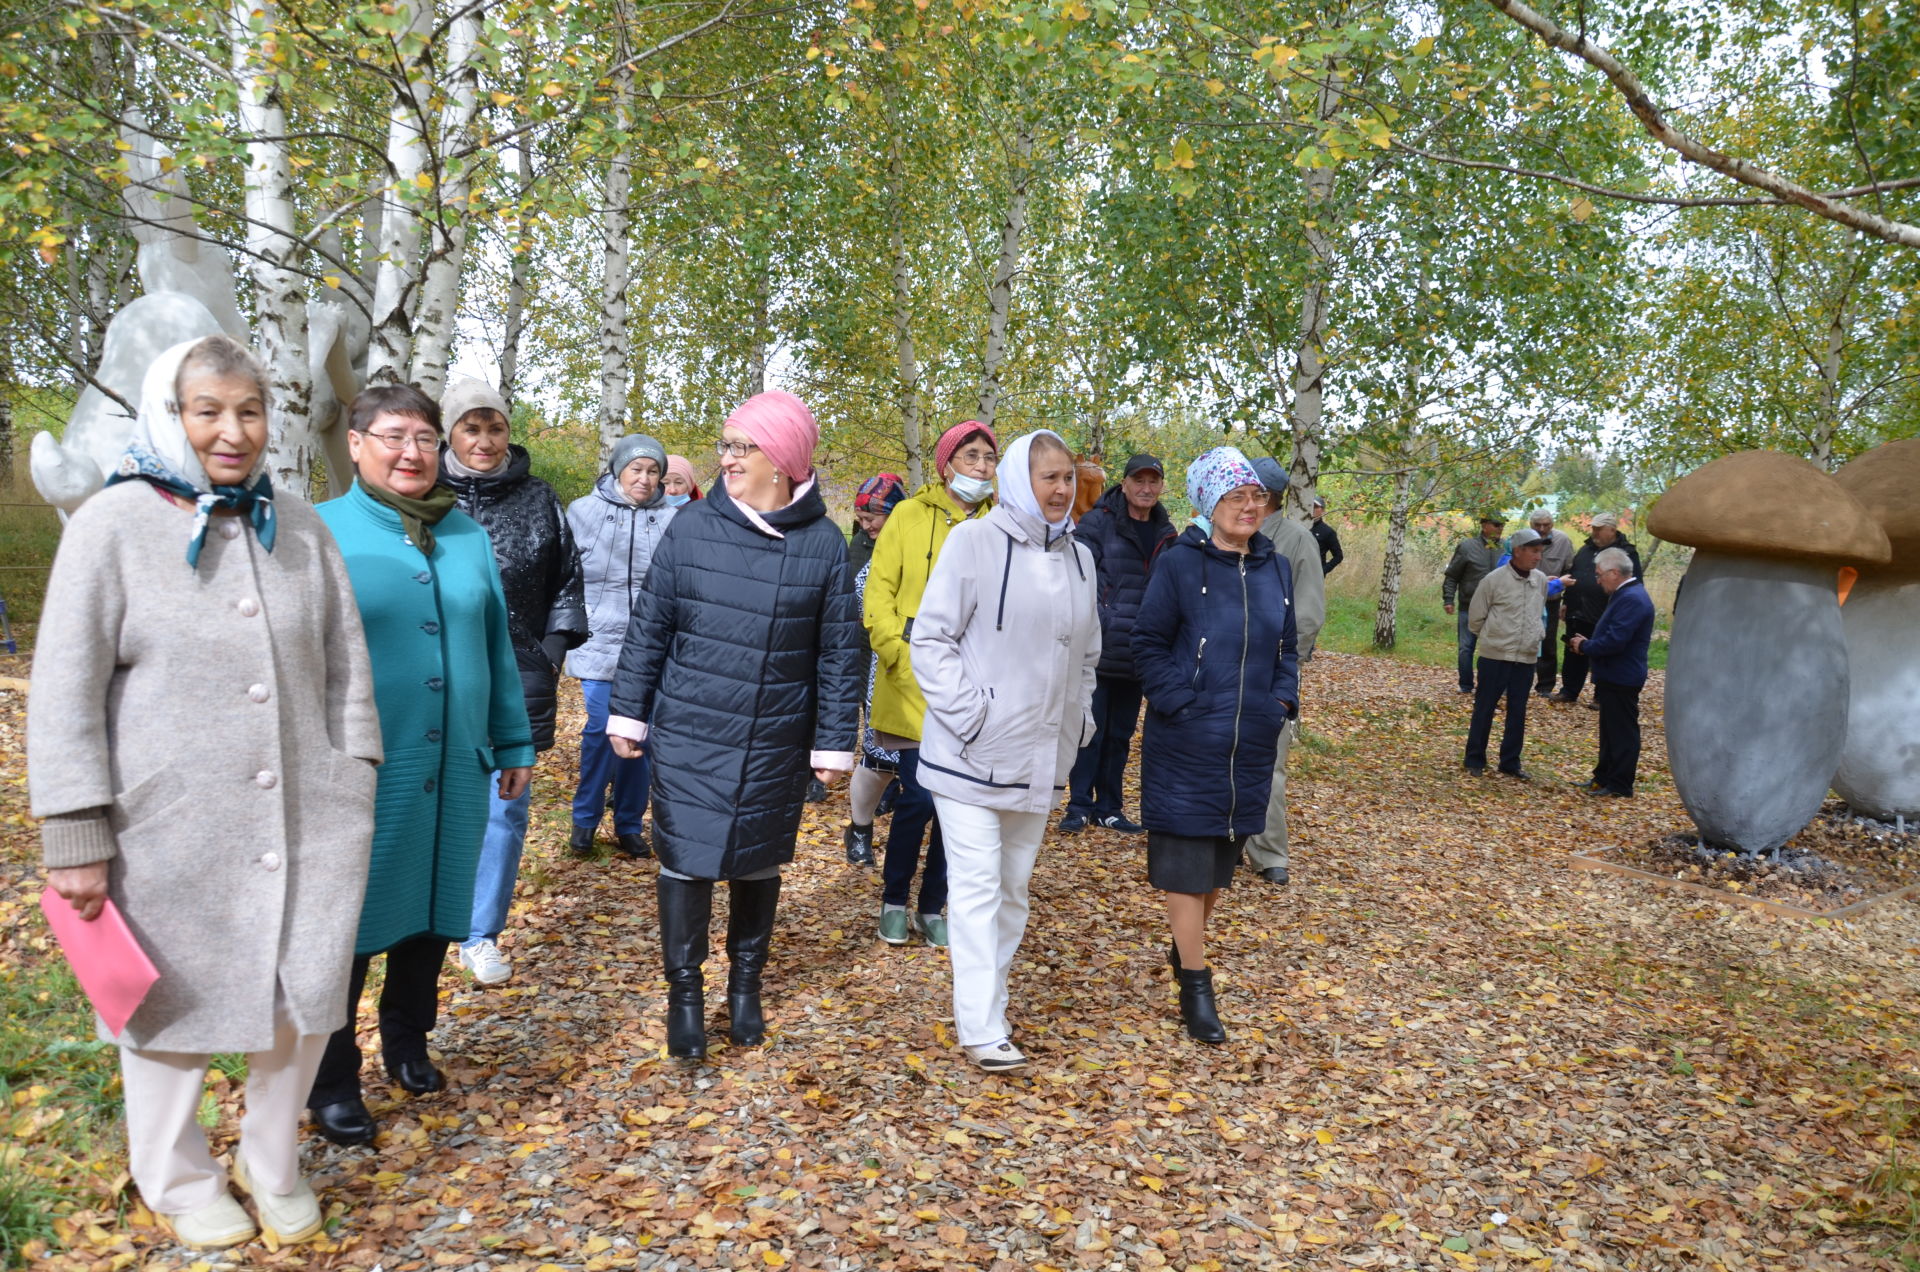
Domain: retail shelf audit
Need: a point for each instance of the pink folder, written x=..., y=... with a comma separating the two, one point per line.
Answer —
x=106, y=959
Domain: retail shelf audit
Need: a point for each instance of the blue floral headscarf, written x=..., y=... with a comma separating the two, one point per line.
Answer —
x=1212, y=475
x=159, y=453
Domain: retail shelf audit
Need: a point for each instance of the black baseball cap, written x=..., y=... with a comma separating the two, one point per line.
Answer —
x=1143, y=461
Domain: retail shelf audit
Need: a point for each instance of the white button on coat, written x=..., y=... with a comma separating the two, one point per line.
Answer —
x=270, y=861
x=229, y=529
x=265, y=780
x=257, y=692
x=248, y=607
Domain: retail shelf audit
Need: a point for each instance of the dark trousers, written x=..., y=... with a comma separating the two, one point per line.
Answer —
x=1619, y=736
x=1467, y=641
x=1512, y=681
x=1549, y=664
x=409, y=1008
x=1573, y=666
x=912, y=815
x=1094, y=787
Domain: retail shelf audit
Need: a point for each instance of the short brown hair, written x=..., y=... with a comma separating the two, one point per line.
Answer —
x=393, y=399
x=221, y=354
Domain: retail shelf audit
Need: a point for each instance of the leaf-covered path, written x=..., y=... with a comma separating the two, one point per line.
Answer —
x=1447, y=1050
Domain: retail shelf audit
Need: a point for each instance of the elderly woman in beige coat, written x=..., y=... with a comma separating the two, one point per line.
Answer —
x=201, y=740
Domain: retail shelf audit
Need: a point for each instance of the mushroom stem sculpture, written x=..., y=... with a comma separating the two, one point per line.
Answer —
x=1880, y=768
x=1757, y=680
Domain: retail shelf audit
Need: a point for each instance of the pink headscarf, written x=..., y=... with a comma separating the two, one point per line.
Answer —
x=950, y=442
x=677, y=464
x=783, y=428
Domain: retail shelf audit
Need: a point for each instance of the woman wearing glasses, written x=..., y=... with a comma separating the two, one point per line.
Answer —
x=452, y=713
x=1214, y=647
x=741, y=674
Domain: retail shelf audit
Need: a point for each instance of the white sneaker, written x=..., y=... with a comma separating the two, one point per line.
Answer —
x=996, y=1057
x=286, y=1218
x=484, y=959
x=214, y=1226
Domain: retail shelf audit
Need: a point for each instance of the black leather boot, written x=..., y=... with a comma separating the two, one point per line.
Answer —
x=1197, y=1010
x=685, y=907
x=859, y=841
x=580, y=842
x=753, y=903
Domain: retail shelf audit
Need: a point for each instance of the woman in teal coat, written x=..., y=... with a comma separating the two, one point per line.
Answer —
x=451, y=712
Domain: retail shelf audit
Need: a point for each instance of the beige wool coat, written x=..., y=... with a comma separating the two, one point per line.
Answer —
x=221, y=720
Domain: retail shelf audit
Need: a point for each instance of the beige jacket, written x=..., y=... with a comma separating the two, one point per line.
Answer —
x=1508, y=614
x=1295, y=542
x=222, y=719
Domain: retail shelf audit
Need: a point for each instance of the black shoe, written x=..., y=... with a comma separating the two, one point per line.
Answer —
x=1518, y=775
x=816, y=790
x=1544, y=693
x=1073, y=823
x=635, y=846
x=1276, y=874
x=1563, y=696
x=1198, y=1011
x=1466, y=688
x=418, y=1076
x=1475, y=770
x=686, y=906
x=751, y=907
x=1591, y=706
x=347, y=1122
x=887, y=798
x=859, y=841
x=1114, y=821
x=580, y=843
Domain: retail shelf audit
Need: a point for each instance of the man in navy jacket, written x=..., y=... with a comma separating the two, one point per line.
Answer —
x=1617, y=660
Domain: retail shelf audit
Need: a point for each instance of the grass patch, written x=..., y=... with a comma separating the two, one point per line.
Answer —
x=29, y=533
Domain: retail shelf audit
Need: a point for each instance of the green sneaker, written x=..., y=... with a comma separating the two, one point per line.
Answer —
x=932, y=928
x=893, y=924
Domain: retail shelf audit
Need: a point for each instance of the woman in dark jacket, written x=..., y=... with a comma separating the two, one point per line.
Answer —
x=546, y=615
x=1214, y=647
x=741, y=673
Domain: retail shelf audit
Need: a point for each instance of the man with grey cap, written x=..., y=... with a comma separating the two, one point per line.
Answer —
x=1586, y=599
x=1266, y=852
x=1554, y=562
x=1126, y=529
x=618, y=528
x=1508, y=615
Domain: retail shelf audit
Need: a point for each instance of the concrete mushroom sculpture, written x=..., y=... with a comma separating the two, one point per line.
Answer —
x=1756, y=702
x=1880, y=768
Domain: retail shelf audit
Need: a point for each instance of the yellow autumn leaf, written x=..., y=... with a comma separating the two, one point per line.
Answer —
x=1323, y=1135
x=1152, y=1181
x=698, y=1120
x=1182, y=158
x=773, y=1258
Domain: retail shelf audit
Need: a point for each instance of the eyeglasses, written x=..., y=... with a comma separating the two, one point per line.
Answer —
x=1244, y=498
x=739, y=450
x=424, y=442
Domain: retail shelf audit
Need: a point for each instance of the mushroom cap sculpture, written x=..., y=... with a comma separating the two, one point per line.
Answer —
x=1757, y=681
x=1880, y=768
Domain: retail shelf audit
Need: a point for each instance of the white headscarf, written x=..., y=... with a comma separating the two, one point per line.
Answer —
x=1016, y=480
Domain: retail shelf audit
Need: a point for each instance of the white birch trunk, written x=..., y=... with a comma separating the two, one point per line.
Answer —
x=616, y=249
x=273, y=248
x=762, y=337
x=434, y=322
x=1000, y=295
x=396, y=278
x=1839, y=328
x=1386, y=611
x=907, y=364
x=1309, y=364
x=520, y=275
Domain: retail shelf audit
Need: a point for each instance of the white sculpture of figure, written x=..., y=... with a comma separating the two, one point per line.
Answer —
x=173, y=255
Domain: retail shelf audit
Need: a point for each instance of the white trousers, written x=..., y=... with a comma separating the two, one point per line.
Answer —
x=990, y=857
x=166, y=1148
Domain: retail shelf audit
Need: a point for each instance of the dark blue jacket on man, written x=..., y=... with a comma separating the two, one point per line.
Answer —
x=1214, y=644
x=1617, y=650
x=1123, y=553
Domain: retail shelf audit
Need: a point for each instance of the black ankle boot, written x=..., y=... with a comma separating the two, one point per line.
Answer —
x=685, y=907
x=752, y=905
x=580, y=842
x=859, y=841
x=1197, y=1009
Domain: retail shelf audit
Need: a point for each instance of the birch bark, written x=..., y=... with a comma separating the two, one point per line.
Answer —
x=458, y=159
x=520, y=276
x=616, y=227
x=396, y=278
x=1000, y=295
x=906, y=361
x=273, y=245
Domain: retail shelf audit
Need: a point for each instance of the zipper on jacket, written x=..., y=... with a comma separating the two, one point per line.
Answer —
x=1199, y=657
x=1239, y=699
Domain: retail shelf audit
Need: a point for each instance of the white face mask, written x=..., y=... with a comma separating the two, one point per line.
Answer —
x=971, y=490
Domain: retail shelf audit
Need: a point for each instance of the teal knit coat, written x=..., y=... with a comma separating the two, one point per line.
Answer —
x=451, y=712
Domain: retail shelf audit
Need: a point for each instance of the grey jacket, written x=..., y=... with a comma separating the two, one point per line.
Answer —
x=1473, y=559
x=1508, y=614
x=1558, y=558
x=1294, y=541
x=1005, y=646
x=224, y=720
x=616, y=542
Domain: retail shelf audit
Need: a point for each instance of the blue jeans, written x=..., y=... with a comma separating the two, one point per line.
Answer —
x=1509, y=680
x=912, y=814
x=1094, y=787
x=1467, y=642
x=600, y=768
x=499, y=863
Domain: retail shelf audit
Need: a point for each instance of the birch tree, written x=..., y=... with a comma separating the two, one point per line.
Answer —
x=397, y=274
x=456, y=155
x=616, y=226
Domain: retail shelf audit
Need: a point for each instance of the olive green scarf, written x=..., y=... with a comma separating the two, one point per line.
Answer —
x=417, y=516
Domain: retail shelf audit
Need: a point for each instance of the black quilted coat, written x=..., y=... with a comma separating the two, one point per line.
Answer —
x=538, y=568
x=1123, y=572
x=745, y=655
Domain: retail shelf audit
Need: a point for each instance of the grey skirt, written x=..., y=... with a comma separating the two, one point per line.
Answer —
x=1192, y=863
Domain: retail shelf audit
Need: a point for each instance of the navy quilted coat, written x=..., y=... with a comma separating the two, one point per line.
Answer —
x=744, y=655
x=1214, y=647
x=1123, y=573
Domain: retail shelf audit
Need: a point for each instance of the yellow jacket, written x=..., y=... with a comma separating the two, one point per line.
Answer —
x=903, y=557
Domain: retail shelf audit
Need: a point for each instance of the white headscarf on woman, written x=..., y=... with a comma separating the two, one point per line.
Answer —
x=158, y=452
x=1016, y=480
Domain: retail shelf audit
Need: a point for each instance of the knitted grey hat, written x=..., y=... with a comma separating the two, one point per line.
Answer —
x=636, y=446
x=464, y=393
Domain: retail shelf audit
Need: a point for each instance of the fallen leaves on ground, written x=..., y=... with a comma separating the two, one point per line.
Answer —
x=1447, y=1050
